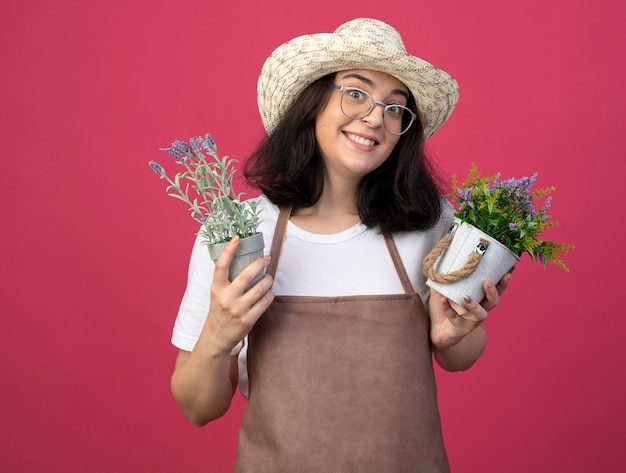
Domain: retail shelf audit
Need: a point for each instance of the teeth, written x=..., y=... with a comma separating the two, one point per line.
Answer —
x=360, y=140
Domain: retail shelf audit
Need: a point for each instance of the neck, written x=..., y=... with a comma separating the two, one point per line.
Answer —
x=335, y=211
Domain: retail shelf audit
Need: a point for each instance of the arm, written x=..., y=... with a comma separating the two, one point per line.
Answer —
x=457, y=333
x=205, y=379
x=203, y=384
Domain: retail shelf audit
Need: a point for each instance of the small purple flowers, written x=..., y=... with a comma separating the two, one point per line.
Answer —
x=505, y=209
x=180, y=150
x=208, y=144
x=199, y=144
x=156, y=167
x=205, y=185
x=465, y=196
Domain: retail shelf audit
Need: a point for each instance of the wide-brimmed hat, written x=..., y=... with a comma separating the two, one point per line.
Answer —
x=363, y=43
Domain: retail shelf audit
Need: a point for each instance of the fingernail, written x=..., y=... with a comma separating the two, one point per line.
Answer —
x=467, y=299
x=234, y=240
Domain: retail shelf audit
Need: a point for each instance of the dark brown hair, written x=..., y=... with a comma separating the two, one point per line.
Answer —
x=402, y=194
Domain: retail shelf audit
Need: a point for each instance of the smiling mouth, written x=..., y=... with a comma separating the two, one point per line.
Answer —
x=360, y=140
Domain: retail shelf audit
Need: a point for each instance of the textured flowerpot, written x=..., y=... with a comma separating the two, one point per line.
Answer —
x=250, y=248
x=463, y=260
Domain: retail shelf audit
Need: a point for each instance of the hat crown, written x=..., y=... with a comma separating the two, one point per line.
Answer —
x=369, y=31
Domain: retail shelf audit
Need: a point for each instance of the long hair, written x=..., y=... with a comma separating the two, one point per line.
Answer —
x=402, y=194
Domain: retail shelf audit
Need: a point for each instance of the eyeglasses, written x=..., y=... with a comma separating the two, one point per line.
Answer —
x=357, y=104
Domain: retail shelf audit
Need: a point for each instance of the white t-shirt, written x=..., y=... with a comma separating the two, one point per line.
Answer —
x=352, y=262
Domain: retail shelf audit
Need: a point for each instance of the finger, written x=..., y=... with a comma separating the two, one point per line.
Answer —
x=222, y=265
x=457, y=310
x=439, y=301
x=449, y=309
x=476, y=310
x=258, y=298
x=250, y=272
x=492, y=296
x=261, y=294
x=504, y=282
x=437, y=296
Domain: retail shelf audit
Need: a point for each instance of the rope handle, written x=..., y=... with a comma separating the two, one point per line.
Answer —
x=468, y=268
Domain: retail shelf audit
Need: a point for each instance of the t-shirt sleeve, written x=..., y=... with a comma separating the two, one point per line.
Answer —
x=196, y=300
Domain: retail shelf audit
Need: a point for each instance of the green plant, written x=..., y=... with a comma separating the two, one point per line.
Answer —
x=505, y=210
x=212, y=202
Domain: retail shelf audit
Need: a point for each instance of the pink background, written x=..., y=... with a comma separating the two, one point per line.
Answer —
x=94, y=254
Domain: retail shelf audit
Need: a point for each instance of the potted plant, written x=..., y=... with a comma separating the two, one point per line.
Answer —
x=496, y=221
x=206, y=186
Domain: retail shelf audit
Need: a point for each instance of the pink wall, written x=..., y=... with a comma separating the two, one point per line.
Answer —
x=94, y=255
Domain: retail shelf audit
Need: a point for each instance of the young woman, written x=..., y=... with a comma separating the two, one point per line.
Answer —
x=333, y=347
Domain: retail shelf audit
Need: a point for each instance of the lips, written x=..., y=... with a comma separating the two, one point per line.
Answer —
x=361, y=140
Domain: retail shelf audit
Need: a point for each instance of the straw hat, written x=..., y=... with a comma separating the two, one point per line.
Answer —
x=362, y=43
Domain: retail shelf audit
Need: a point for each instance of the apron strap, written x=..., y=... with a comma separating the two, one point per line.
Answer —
x=277, y=241
x=397, y=261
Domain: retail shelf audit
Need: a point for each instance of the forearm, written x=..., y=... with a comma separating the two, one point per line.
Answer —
x=465, y=353
x=203, y=383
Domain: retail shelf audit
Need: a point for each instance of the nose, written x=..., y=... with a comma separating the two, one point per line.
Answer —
x=375, y=117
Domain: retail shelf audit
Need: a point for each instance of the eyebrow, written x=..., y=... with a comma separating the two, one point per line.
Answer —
x=370, y=83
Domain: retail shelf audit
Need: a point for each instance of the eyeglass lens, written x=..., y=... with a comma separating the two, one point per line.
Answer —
x=357, y=104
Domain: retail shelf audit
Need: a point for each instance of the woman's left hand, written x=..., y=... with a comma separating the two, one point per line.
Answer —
x=451, y=323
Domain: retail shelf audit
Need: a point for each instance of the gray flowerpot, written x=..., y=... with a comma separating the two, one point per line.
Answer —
x=471, y=258
x=250, y=248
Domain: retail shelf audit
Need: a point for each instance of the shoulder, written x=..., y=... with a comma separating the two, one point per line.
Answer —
x=446, y=218
x=438, y=230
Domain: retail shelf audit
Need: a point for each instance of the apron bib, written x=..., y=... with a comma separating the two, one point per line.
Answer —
x=341, y=384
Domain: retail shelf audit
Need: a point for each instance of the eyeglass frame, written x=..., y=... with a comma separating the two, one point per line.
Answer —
x=343, y=89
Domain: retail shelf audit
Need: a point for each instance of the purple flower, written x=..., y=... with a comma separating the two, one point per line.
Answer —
x=495, y=184
x=543, y=213
x=513, y=226
x=195, y=144
x=179, y=150
x=156, y=167
x=546, y=206
x=208, y=143
x=525, y=184
x=465, y=195
x=171, y=152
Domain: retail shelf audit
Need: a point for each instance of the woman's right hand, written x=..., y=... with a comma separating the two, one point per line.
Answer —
x=234, y=311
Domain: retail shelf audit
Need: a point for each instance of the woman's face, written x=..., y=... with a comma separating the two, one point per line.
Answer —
x=354, y=148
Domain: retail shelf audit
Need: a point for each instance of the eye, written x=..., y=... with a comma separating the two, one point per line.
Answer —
x=395, y=110
x=356, y=94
